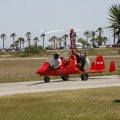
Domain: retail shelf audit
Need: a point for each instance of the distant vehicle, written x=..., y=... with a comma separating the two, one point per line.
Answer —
x=102, y=46
x=2, y=50
x=63, y=47
x=108, y=46
x=95, y=46
x=49, y=48
x=115, y=45
x=89, y=46
x=10, y=50
x=79, y=45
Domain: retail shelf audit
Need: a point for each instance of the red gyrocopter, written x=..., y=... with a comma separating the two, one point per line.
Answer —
x=70, y=66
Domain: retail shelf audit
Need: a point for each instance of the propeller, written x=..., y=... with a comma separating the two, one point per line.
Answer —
x=88, y=62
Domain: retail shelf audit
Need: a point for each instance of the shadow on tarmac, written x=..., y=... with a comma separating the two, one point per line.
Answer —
x=71, y=79
x=116, y=101
x=42, y=82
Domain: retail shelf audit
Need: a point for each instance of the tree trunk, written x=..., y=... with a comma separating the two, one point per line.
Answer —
x=3, y=43
x=43, y=42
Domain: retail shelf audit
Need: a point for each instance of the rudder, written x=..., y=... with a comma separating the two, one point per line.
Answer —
x=100, y=63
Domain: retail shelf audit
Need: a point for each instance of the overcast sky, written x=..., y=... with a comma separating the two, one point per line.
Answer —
x=22, y=16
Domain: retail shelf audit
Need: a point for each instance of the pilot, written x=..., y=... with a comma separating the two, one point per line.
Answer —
x=57, y=62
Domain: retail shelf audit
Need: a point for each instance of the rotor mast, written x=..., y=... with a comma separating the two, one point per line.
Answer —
x=72, y=40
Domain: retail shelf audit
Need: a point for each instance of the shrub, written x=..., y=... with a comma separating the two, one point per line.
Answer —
x=34, y=49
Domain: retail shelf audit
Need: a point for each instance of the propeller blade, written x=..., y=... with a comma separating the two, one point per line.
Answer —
x=88, y=62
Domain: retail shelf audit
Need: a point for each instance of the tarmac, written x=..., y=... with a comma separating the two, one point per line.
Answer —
x=55, y=85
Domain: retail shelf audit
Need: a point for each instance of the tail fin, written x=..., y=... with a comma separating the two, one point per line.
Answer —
x=112, y=67
x=100, y=63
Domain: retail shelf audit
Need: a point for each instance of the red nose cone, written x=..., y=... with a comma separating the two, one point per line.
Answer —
x=42, y=70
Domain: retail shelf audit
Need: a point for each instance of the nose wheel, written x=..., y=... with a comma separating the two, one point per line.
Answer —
x=47, y=79
x=84, y=76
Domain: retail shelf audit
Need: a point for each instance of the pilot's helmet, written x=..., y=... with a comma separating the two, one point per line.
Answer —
x=56, y=56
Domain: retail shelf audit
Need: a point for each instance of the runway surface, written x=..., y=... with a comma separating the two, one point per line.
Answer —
x=54, y=85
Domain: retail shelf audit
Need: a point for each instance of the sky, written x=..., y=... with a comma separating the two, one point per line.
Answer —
x=22, y=16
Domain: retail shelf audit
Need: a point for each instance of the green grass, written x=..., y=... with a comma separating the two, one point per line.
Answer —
x=19, y=70
x=84, y=104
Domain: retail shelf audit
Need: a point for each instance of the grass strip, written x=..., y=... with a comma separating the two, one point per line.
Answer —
x=86, y=104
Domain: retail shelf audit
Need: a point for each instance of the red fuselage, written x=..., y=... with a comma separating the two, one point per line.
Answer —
x=67, y=67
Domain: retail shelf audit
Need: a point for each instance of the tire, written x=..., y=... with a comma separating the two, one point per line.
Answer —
x=47, y=79
x=84, y=77
x=65, y=77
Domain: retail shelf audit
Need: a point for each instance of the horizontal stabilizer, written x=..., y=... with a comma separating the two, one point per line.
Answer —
x=98, y=66
x=112, y=67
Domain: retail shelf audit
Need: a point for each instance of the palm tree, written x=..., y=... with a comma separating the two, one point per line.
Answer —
x=36, y=40
x=105, y=39
x=20, y=39
x=28, y=35
x=87, y=34
x=60, y=40
x=12, y=46
x=114, y=14
x=113, y=28
x=23, y=41
x=43, y=36
x=81, y=40
x=16, y=44
x=53, y=39
x=93, y=34
x=99, y=38
x=3, y=36
x=13, y=35
x=65, y=37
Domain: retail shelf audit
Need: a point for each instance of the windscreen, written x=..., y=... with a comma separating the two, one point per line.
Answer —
x=50, y=59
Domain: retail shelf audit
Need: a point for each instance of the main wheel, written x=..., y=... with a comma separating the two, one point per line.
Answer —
x=84, y=76
x=47, y=79
x=65, y=77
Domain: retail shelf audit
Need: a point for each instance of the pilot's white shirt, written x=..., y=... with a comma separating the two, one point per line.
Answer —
x=57, y=62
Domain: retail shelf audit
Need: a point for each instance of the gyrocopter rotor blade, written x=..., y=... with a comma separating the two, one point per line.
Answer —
x=79, y=30
x=44, y=32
